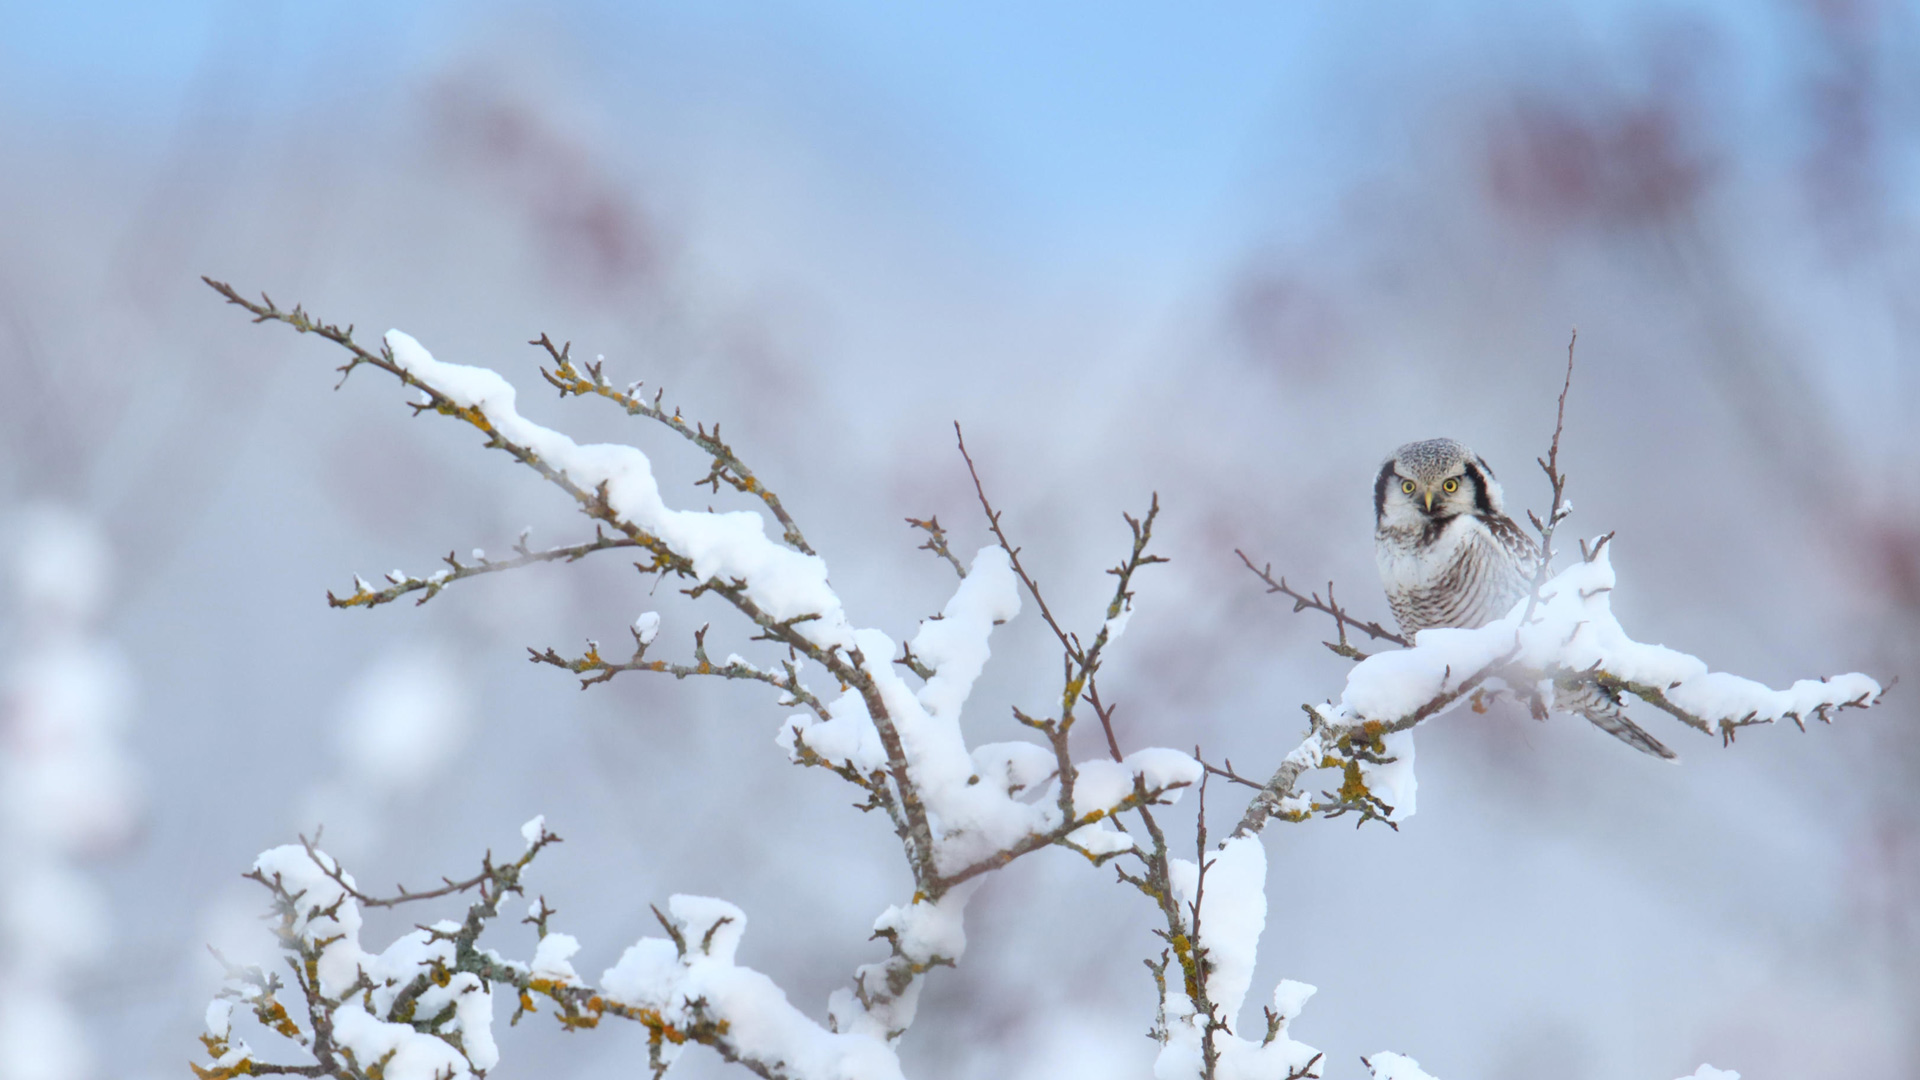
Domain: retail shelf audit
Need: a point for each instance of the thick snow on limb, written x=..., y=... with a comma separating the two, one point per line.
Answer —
x=979, y=807
x=1390, y=1066
x=971, y=820
x=1573, y=633
x=691, y=980
x=1574, y=630
x=1233, y=912
x=326, y=918
x=785, y=583
x=980, y=801
x=1387, y=1065
x=423, y=1007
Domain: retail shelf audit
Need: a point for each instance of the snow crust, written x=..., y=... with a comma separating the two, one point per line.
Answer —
x=923, y=933
x=733, y=545
x=1233, y=913
x=980, y=801
x=977, y=805
x=1387, y=1065
x=984, y=800
x=702, y=983
x=551, y=956
x=1574, y=630
x=328, y=917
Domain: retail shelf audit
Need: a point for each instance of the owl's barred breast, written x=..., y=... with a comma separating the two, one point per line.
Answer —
x=1462, y=577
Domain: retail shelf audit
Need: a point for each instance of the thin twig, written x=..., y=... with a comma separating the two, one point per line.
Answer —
x=364, y=596
x=1559, y=510
x=597, y=669
x=937, y=542
x=1303, y=602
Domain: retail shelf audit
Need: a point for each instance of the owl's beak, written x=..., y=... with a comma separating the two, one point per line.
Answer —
x=1429, y=500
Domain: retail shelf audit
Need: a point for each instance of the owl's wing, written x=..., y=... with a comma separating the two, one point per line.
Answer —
x=1513, y=540
x=1617, y=725
x=1591, y=700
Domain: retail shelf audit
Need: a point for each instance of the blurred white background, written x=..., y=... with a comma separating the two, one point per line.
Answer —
x=1234, y=255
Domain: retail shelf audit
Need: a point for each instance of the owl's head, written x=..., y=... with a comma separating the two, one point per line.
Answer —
x=1433, y=481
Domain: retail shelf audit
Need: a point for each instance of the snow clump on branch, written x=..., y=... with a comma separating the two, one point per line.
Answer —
x=1573, y=634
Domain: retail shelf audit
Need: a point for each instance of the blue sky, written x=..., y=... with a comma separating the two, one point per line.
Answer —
x=1101, y=127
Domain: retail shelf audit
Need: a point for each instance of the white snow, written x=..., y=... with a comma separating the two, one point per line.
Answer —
x=532, y=830
x=1394, y=782
x=1574, y=630
x=1708, y=1072
x=955, y=645
x=551, y=956
x=979, y=801
x=1118, y=624
x=1013, y=766
x=1310, y=750
x=1289, y=997
x=1233, y=912
x=220, y=1017
x=761, y=1024
x=785, y=583
x=326, y=916
x=416, y=1056
x=925, y=932
x=1387, y=1065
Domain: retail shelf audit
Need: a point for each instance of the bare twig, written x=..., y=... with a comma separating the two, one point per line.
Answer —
x=1303, y=602
x=937, y=542
x=367, y=597
x=597, y=669
x=1558, y=510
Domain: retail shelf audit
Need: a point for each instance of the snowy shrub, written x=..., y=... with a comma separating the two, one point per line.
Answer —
x=885, y=718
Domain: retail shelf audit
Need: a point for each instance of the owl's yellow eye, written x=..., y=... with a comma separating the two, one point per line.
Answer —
x=1406, y=486
x=1450, y=486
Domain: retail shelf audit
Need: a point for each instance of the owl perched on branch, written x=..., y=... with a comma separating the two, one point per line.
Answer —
x=1450, y=556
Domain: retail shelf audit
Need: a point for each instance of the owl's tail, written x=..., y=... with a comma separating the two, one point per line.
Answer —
x=1584, y=695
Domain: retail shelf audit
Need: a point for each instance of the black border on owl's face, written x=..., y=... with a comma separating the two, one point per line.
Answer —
x=1387, y=474
x=1482, y=501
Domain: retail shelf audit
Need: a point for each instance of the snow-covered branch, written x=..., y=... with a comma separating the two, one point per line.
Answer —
x=1572, y=635
x=423, y=1006
x=960, y=812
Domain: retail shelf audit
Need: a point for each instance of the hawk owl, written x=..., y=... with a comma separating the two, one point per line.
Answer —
x=1450, y=556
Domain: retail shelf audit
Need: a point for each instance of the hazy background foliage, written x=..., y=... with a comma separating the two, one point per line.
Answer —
x=1234, y=254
